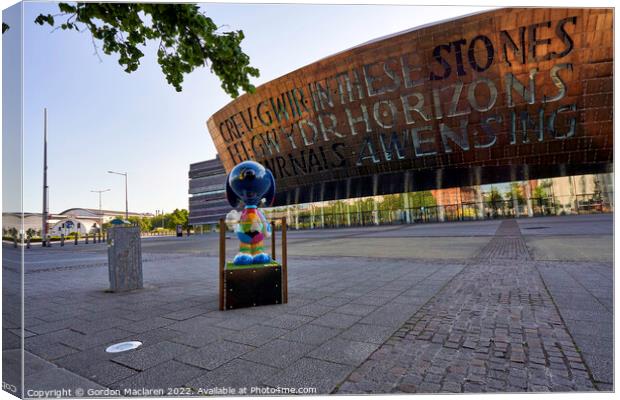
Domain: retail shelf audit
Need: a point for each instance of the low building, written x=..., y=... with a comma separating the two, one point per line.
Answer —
x=14, y=220
x=207, y=190
x=82, y=220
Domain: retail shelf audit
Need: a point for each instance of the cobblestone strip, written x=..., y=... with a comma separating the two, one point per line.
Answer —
x=510, y=248
x=494, y=327
x=507, y=244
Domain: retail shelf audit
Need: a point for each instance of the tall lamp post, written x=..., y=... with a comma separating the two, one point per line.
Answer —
x=126, y=204
x=100, y=214
x=45, y=187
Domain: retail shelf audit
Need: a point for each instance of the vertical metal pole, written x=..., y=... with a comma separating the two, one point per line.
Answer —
x=100, y=215
x=222, y=261
x=45, y=211
x=126, y=202
x=273, y=240
x=284, y=264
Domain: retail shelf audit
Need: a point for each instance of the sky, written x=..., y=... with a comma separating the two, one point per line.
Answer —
x=101, y=118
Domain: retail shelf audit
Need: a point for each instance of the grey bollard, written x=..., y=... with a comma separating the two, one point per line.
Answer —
x=75, y=240
x=28, y=242
x=124, y=258
x=62, y=239
x=86, y=238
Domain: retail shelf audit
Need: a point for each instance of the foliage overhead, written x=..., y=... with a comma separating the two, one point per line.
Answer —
x=188, y=39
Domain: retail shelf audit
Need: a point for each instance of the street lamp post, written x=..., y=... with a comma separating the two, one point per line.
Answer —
x=126, y=203
x=100, y=213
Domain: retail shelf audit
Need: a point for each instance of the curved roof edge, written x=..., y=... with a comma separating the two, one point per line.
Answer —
x=376, y=40
x=403, y=32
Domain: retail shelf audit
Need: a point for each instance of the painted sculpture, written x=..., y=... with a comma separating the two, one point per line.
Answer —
x=249, y=183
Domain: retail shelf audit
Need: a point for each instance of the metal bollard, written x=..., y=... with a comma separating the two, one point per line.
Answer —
x=75, y=239
x=86, y=239
x=28, y=242
x=62, y=239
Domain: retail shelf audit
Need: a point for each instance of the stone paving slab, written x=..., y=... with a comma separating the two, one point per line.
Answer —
x=310, y=373
x=396, y=247
x=52, y=379
x=257, y=335
x=237, y=374
x=83, y=342
x=148, y=338
x=571, y=248
x=490, y=324
x=344, y=351
x=336, y=320
x=40, y=374
x=197, y=324
x=278, y=353
x=314, y=310
x=579, y=290
x=289, y=321
x=164, y=376
x=368, y=333
x=215, y=354
x=494, y=327
x=146, y=357
x=95, y=364
x=311, y=334
x=479, y=335
x=202, y=338
x=212, y=339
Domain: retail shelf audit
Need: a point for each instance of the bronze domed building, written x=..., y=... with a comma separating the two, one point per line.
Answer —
x=499, y=96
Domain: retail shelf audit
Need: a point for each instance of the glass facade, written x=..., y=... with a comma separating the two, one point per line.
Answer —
x=582, y=194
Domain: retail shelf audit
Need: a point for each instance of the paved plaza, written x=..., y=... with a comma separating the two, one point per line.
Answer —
x=500, y=305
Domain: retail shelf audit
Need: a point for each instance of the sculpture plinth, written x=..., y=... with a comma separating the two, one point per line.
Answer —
x=253, y=285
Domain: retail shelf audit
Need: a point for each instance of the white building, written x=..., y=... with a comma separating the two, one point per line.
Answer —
x=82, y=220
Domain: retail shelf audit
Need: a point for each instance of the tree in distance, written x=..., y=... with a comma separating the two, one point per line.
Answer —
x=188, y=39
